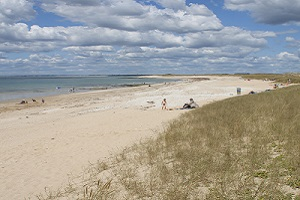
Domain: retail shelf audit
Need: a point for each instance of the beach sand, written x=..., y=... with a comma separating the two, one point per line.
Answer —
x=45, y=145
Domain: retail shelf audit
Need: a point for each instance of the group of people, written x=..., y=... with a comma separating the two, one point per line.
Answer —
x=190, y=105
x=33, y=100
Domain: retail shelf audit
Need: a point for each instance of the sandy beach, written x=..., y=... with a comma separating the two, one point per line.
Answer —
x=44, y=145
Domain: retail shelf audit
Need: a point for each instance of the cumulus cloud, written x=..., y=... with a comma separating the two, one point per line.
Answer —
x=13, y=32
x=19, y=37
x=287, y=56
x=290, y=61
x=263, y=34
x=293, y=42
x=12, y=11
x=132, y=16
x=224, y=38
x=269, y=12
x=89, y=48
x=290, y=39
x=88, y=51
x=45, y=59
x=173, y=4
x=20, y=32
x=61, y=37
x=155, y=36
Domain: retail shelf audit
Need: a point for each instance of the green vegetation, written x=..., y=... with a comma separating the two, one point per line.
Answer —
x=281, y=78
x=246, y=147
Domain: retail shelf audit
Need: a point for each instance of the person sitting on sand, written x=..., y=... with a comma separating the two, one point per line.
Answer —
x=23, y=101
x=164, y=104
x=191, y=104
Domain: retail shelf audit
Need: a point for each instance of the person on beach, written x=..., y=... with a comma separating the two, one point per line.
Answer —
x=72, y=90
x=164, y=104
x=23, y=101
x=191, y=104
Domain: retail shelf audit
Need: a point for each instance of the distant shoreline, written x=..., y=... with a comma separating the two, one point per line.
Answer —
x=133, y=81
x=82, y=90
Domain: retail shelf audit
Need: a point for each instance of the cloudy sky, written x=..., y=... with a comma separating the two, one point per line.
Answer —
x=149, y=36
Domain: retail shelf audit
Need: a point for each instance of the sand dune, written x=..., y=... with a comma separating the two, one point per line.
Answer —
x=43, y=145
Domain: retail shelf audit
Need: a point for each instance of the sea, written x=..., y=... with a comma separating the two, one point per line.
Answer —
x=27, y=87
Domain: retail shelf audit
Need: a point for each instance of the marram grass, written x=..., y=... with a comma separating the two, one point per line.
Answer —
x=281, y=78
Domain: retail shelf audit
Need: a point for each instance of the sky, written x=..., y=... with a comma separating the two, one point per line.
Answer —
x=89, y=37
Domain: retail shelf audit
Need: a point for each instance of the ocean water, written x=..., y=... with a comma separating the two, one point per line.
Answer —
x=26, y=87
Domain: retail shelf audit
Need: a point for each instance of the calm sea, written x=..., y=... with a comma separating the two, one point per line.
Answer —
x=23, y=87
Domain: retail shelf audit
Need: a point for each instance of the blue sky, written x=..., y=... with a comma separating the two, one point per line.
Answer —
x=149, y=36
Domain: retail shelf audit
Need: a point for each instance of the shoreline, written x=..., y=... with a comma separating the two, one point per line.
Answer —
x=103, y=83
x=44, y=145
x=14, y=104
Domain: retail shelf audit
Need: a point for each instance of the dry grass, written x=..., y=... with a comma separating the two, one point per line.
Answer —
x=281, y=78
x=247, y=147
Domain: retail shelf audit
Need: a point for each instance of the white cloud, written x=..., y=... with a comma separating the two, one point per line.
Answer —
x=127, y=35
x=89, y=48
x=293, y=42
x=270, y=11
x=12, y=11
x=20, y=32
x=88, y=51
x=13, y=32
x=19, y=37
x=172, y=4
x=47, y=33
x=132, y=16
x=225, y=37
x=60, y=37
x=290, y=39
x=287, y=56
x=263, y=34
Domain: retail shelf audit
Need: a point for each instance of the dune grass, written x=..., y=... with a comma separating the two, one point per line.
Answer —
x=281, y=78
x=246, y=147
